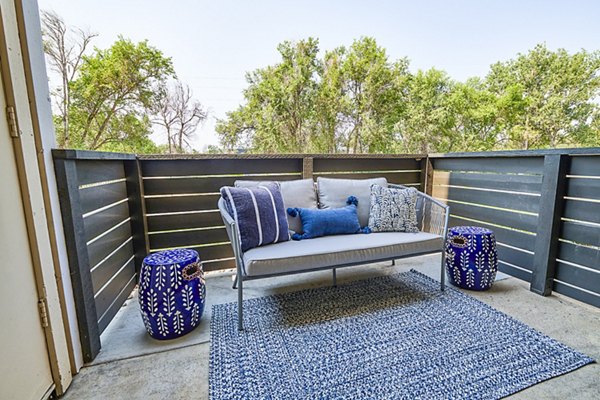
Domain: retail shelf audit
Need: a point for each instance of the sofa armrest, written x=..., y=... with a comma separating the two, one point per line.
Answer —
x=433, y=214
x=232, y=232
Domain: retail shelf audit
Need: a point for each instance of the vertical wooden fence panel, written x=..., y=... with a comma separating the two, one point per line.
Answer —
x=83, y=291
x=548, y=228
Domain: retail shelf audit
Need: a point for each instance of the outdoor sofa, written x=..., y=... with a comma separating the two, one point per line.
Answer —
x=332, y=252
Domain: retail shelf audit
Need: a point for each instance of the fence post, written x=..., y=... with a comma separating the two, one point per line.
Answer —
x=548, y=227
x=79, y=264
x=307, y=168
x=137, y=211
x=426, y=175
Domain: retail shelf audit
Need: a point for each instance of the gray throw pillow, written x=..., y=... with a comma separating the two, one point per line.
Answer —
x=393, y=210
x=299, y=193
x=333, y=193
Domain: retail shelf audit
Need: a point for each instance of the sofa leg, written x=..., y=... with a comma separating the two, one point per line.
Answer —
x=240, y=305
x=334, y=278
x=443, y=272
x=235, y=279
x=393, y=262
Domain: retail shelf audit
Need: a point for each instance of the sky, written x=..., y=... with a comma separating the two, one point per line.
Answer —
x=214, y=43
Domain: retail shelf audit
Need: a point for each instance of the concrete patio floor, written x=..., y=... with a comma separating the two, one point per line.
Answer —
x=131, y=365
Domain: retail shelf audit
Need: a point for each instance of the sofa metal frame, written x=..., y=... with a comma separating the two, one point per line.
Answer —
x=433, y=218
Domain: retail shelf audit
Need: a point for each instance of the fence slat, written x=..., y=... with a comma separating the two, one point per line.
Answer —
x=188, y=238
x=587, y=297
x=511, y=201
x=517, y=165
x=580, y=277
x=96, y=197
x=582, y=211
x=99, y=171
x=516, y=272
x=585, y=165
x=116, y=305
x=105, y=271
x=226, y=166
x=105, y=220
x=363, y=164
x=584, y=188
x=203, y=185
x=581, y=255
x=396, y=177
x=184, y=221
x=580, y=233
x=181, y=203
x=516, y=257
x=214, y=252
x=510, y=237
x=524, y=222
x=100, y=249
x=111, y=291
x=509, y=182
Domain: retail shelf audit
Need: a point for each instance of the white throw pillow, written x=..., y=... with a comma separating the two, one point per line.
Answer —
x=333, y=193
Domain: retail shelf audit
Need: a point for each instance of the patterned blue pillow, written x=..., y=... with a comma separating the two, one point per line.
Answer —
x=393, y=210
x=259, y=213
x=333, y=221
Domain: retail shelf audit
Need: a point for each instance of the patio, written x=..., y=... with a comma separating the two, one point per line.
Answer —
x=541, y=205
x=77, y=225
x=131, y=365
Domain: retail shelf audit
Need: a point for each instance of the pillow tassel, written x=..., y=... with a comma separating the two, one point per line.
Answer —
x=352, y=200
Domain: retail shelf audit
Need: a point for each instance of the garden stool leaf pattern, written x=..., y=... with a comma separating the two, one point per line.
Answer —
x=471, y=257
x=172, y=293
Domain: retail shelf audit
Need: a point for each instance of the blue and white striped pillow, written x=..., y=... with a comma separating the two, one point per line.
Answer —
x=259, y=213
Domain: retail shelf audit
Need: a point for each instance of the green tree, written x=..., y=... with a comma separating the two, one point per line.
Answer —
x=113, y=94
x=374, y=88
x=427, y=123
x=280, y=101
x=559, y=93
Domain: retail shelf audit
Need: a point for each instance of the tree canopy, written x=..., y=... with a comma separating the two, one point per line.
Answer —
x=110, y=99
x=357, y=100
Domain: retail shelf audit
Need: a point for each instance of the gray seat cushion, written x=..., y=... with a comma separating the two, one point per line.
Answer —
x=333, y=193
x=329, y=251
x=296, y=193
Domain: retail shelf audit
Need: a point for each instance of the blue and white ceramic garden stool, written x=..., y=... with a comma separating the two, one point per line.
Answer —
x=471, y=257
x=172, y=293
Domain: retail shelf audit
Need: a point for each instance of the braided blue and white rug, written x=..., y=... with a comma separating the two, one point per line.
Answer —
x=393, y=337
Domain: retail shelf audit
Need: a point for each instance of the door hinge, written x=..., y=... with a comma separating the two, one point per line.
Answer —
x=12, y=122
x=42, y=308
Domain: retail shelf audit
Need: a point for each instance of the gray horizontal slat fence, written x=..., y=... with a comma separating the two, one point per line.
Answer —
x=578, y=256
x=406, y=171
x=502, y=194
x=104, y=232
x=181, y=194
x=544, y=207
x=181, y=197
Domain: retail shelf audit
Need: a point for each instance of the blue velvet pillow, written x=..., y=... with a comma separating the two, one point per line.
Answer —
x=259, y=213
x=332, y=221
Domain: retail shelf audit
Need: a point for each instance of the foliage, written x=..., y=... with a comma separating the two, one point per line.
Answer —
x=559, y=92
x=114, y=92
x=110, y=99
x=356, y=100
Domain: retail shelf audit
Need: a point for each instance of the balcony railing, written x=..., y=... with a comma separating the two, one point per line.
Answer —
x=544, y=207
